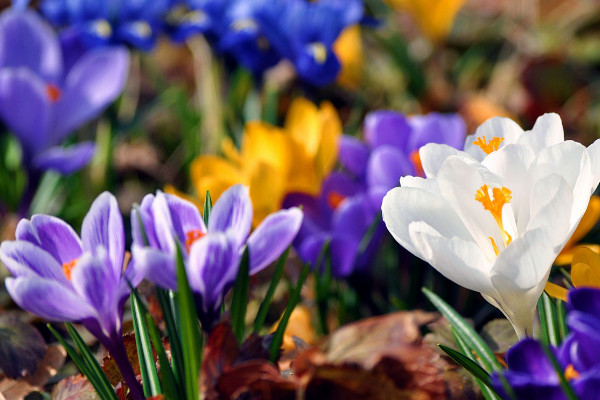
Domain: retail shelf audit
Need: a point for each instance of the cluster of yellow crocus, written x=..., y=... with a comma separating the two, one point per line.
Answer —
x=274, y=161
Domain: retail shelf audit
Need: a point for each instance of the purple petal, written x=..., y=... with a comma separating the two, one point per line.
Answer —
x=386, y=166
x=94, y=82
x=586, y=300
x=527, y=356
x=353, y=155
x=26, y=259
x=386, y=128
x=213, y=265
x=26, y=109
x=142, y=219
x=585, y=329
x=174, y=218
x=51, y=234
x=95, y=281
x=65, y=160
x=103, y=227
x=272, y=237
x=155, y=265
x=48, y=299
x=342, y=250
x=316, y=218
x=353, y=217
x=434, y=127
x=26, y=40
x=232, y=211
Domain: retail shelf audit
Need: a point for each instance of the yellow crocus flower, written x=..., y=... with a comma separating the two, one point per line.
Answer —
x=274, y=161
x=589, y=219
x=349, y=50
x=434, y=17
x=585, y=272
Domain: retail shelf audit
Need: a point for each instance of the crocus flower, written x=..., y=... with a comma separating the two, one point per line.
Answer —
x=109, y=22
x=351, y=199
x=41, y=101
x=585, y=272
x=212, y=253
x=434, y=17
x=497, y=225
x=274, y=161
x=62, y=277
x=531, y=374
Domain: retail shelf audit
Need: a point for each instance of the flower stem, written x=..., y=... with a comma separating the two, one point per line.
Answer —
x=119, y=354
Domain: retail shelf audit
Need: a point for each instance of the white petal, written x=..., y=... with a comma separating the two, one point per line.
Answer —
x=433, y=155
x=429, y=185
x=594, y=155
x=494, y=127
x=402, y=206
x=547, y=131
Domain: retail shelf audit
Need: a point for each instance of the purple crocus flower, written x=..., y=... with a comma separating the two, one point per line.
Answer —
x=62, y=277
x=212, y=254
x=530, y=373
x=350, y=199
x=44, y=98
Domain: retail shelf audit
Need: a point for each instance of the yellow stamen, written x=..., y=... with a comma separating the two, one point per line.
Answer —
x=142, y=29
x=319, y=52
x=415, y=158
x=494, y=246
x=102, y=28
x=571, y=373
x=500, y=197
x=488, y=146
x=68, y=268
x=191, y=237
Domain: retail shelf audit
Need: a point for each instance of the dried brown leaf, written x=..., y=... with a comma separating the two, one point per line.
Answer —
x=74, y=388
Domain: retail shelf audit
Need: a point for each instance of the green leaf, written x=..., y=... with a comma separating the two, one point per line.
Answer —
x=191, y=340
x=468, y=364
x=466, y=332
x=167, y=379
x=261, y=316
x=548, y=320
x=150, y=380
x=239, y=301
x=294, y=298
x=322, y=285
x=561, y=316
x=164, y=299
x=207, y=208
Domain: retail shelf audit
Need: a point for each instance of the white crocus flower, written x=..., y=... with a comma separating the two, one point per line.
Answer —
x=495, y=223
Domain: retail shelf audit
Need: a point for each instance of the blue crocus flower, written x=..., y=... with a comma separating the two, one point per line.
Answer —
x=44, y=97
x=190, y=17
x=97, y=23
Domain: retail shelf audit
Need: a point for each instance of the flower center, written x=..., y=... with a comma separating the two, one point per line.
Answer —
x=415, y=159
x=102, y=28
x=494, y=204
x=334, y=199
x=53, y=92
x=318, y=51
x=68, y=268
x=488, y=146
x=191, y=237
x=571, y=372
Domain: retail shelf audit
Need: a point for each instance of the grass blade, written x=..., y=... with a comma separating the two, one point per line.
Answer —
x=464, y=330
x=261, y=316
x=239, y=301
x=561, y=317
x=207, y=208
x=294, y=298
x=167, y=379
x=548, y=320
x=322, y=285
x=150, y=382
x=190, y=333
x=172, y=334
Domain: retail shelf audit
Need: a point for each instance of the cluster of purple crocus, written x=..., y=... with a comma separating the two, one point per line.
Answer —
x=49, y=88
x=531, y=374
x=62, y=277
x=350, y=198
x=256, y=34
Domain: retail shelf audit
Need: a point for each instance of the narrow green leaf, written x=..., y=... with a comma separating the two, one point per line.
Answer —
x=172, y=335
x=322, y=285
x=548, y=320
x=87, y=356
x=261, y=316
x=564, y=384
x=103, y=391
x=150, y=382
x=464, y=330
x=468, y=364
x=294, y=298
x=167, y=379
x=190, y=333
x=561, y=318
x=207, y=208
x=239, y=301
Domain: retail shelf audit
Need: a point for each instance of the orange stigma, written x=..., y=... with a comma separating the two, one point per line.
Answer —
x=68, y=268
x=488, y=146
x=415, y=158
x=191, y=237
x=334, y=199
x=494, y=204
x=571, y=372
x=53, y=92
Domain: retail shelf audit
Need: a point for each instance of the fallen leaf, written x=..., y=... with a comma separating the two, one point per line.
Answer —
x=21, y=346
x=75, y=387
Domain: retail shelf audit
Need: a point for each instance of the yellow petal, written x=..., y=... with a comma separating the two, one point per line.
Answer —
x=303, y=124
x=586, y=255
x=558, y=292
x=435, y=17
x=349, y=50
x=267, y=186
x=331, y=132
x=582, y=275
x=230, y=151
x=214, y=174
x=265, y=144
x=589, y=219
x=299, y=325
